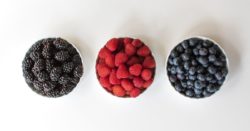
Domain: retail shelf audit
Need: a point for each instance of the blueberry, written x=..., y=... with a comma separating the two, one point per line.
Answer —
x=185, y=57
x=203, y=60
x=185, y=44
x=214, y=80
x=201, y=77
x=218, y=63
x=209, y=77
x=189, y=93
x=212, y=58
x=181, y=76
x=179, y=48
x=170, y=61
x=205, y=65
x=205, y=93
x=172, y=78
x=197, y=91
x=203, y=52
x=174, y=54
x=207, y=43
x=199, y=84
x=178, y=87
x=184, y=84
x=196, y=51
x=213, y=49
x=218, y=75
x=224, y=71
x=201, y=69
x=192, y=77
x=190, y=83
x=220, y=82
x=194, y=41
x=187, y=65
x=198, y=46
x=223, y=58
x=173, y=70
x=211, y=69
x=180, y=70
x=177, y=61
x=194, y=62
x=211, y=88
x=189, y=51
x=192, y=70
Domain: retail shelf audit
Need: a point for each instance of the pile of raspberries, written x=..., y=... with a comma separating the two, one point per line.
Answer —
x=125, y=67
x=52, y=67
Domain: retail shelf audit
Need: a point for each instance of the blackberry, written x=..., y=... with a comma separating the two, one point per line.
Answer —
x=52, y=67
x=197, y=68
x=62, y=55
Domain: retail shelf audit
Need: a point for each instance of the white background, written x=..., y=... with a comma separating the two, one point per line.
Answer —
x=161, y=24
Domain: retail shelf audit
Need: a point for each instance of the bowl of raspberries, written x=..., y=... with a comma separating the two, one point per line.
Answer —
x=197, y=67
x=125, y=67
x=52, y=67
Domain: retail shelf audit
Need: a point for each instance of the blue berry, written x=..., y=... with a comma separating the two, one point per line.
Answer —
x=203, y=60
x=212, y=58
x=203, y=52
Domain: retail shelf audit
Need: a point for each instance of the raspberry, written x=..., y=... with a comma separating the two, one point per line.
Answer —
x=122, y=72
x=103, y=70
x=127, y=85
x=130, y=49
x=104, y=81
x=113, y=79
x=138, y=82
x=118, y=91
x=110, y=61
x=135, y=69
x=137, y=43
x=133, y=60
x=127, y=41
x=135, y=92
x=104, y=52
x=146, y=84
x=146, y=74
x=149, y=62
x=112, y=44
x=143, y=51
x=120, y=58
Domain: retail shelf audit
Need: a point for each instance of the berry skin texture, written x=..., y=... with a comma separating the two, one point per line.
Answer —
x=143, y=51
x=146, y=74
x=135, y=69
x=118, y=91
x=103, y=70
x=112, y=44
x=52, y=67
x=196, y=68
x=119, y=67
x=135, y=92
x=122, y=72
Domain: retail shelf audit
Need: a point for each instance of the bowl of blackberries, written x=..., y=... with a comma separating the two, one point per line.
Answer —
x=197, y=67
x=52, y=67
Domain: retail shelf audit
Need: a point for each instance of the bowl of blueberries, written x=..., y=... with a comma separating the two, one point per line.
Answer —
x=197, y=67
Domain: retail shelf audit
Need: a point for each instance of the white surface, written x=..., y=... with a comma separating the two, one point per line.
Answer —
x=89, y=24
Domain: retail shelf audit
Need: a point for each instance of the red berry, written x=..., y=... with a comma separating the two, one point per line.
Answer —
x=122, y=72
x=135, y=69
x=102, y=70
x=146, y=74
x=110, y=61
x=149, y=62
x=113, y=79
x=118, y=91
x=120, y=58
x=135, y=92
x=137, y=43
x=133, y=60
x=104, y=52
x=138, y=82
x=146, y=84
x=127, y=40
x=130, y=49
x=127, y=85
x=105, y=83
x=112, y=44
x=143, y=51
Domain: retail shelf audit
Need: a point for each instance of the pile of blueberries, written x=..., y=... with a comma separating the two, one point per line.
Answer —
x=197, y=67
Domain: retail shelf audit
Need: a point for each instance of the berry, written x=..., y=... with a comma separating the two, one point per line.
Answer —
x=104, y=81
x=64, y=79
x=127, y=85
x=135, y=92
x=120, y=58
x=146, y=84
x=135, y=69
x=149, y=62
x=146, y=74
x=118, y=91
x=113, y=79
x=138, y=82
x=203, y=52
x=42, y=76
x=78, y=71
x=112, y=44
x=122, y=72
x=62, y=55
x=68, y=67
x=103, y=70
x=48, y=86
x=137, y=43
x=110, y=61
x=130, y=49
x=55, y=73
x=143, y=51
x=104, y=52
x=133, y=60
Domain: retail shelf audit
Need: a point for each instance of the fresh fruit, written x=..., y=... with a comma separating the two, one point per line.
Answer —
x=135, y=69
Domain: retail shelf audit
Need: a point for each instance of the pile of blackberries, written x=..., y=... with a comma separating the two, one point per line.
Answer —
x=197, y=68
x=52, y=67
